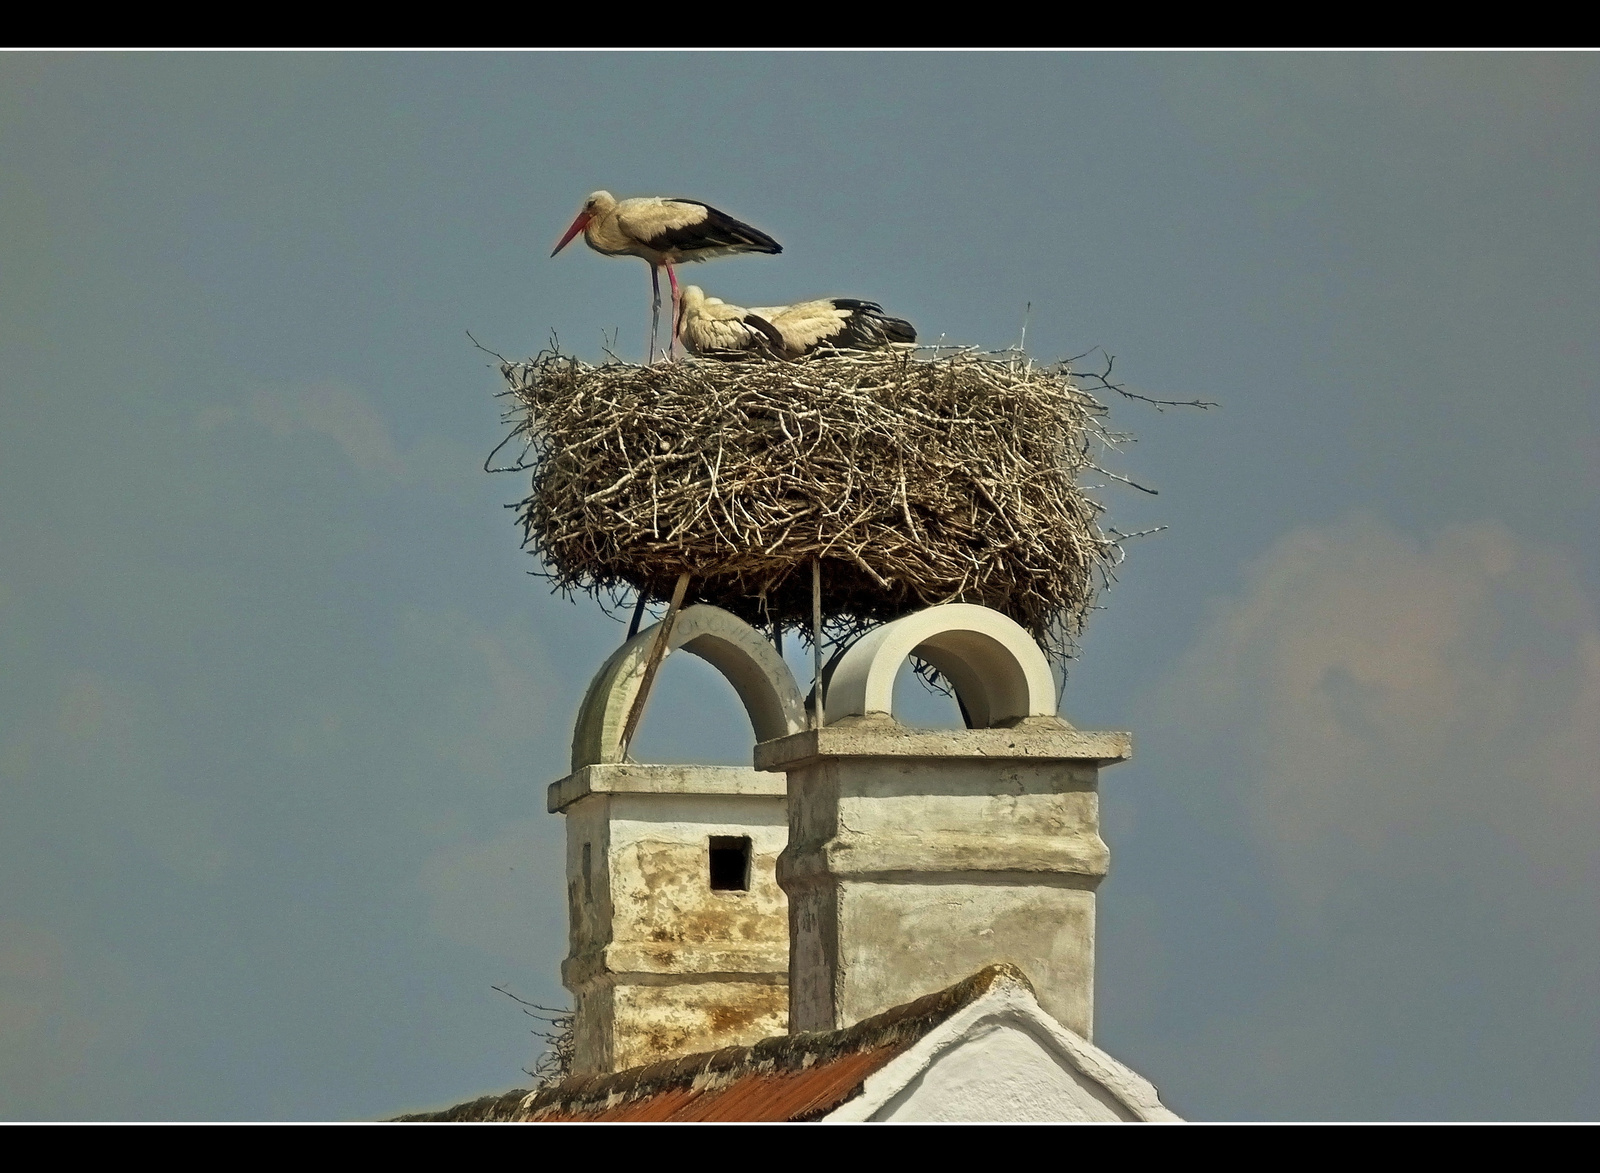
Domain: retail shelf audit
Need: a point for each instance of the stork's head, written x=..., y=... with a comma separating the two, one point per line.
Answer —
x=691, y=300
x=598, y=204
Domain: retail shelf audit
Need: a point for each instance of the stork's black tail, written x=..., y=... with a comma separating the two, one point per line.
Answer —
x=868, y=327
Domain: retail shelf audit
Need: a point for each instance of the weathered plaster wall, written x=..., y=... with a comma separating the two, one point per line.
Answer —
x=660, y=963
x=900, y=941
x=661, y=898
x=916, y=858
x=685, y=1018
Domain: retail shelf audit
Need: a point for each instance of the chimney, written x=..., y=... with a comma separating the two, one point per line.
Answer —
x=678, y=930
x=918, y=857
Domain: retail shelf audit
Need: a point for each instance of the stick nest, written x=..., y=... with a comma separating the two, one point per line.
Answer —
x=916, y=477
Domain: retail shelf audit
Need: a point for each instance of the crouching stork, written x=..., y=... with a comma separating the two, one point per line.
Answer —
x=711, y=328
x=842, y=323
x=662, y=232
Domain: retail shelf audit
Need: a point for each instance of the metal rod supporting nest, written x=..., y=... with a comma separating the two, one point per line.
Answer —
x=658, y=652
x=816, y=638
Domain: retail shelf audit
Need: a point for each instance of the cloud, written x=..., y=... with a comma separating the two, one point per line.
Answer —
x=495, y=692
x=332, y=410
x=1376, y=689
x=42, y=1043
x=336, y=411
x=65, y=1017
x=496, y=708
x=1391, y=751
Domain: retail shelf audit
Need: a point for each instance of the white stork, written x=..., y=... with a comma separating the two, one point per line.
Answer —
x=712, y=328
x=662, y=232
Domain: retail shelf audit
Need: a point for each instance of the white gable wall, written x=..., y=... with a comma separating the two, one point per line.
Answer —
x=1002, y=1058
x=1000, y=1065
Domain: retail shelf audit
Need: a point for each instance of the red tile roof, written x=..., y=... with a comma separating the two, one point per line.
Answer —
x=787, y=1077
x=754, y=1094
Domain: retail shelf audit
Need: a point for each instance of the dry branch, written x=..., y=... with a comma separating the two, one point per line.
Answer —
x=915, y=478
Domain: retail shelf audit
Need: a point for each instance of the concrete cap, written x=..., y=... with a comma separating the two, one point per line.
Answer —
x=686, y=781
x=1040, y=739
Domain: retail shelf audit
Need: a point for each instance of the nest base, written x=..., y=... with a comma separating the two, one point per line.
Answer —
x=913, y=477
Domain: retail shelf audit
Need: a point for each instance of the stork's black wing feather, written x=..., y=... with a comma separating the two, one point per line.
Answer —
x=767, y=328
x=717, y=230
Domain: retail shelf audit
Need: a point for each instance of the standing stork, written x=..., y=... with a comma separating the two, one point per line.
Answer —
x=711, y=328
x=662, y=232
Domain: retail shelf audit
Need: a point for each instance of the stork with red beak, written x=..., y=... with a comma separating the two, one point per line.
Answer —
x=662, y=232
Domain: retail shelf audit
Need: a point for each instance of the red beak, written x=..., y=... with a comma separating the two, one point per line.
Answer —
x=578, y=226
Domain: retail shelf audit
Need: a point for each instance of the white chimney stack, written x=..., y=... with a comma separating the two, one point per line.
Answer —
x=917, y=857
x=678, y=932
x=910, y=859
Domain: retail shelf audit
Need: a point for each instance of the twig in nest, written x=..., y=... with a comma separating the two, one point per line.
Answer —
x=1102, y=381
x=913, y=478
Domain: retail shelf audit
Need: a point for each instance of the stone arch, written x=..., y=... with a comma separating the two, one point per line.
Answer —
x=997, y=669
x=744, y=656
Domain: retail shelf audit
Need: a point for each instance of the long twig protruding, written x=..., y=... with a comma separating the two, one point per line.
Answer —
x=556, y=1032
x=1103, y=383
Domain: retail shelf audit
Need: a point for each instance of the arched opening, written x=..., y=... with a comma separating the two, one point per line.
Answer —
x=998, y=672
x=741, y=654
x=921, y=705
x=694, y=716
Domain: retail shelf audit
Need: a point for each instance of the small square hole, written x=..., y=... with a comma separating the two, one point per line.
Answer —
x=730, y=863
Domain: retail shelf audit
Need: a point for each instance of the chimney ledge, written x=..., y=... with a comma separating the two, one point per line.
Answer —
x=636, y=778
x=886, y=738
x=640, y=963
x=951, y=855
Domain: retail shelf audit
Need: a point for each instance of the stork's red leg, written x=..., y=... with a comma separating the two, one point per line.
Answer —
x=655, y=312
x=672, y=341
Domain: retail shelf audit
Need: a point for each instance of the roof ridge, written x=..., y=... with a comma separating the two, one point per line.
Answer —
x=495, y=1106
x=891, y=1031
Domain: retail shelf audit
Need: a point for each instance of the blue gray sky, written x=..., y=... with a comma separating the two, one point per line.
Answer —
x=279, y=699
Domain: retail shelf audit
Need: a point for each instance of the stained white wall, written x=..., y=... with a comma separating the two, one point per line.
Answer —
x=1001, y=1071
